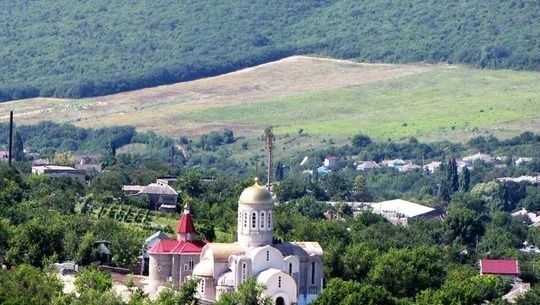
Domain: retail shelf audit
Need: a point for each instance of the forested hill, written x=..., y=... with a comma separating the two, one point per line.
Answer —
x=71, y=48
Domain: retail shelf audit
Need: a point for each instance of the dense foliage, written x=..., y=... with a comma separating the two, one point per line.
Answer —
x=367, y=259
x=77, y=49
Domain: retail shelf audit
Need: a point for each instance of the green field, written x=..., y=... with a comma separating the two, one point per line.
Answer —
x=453, y=102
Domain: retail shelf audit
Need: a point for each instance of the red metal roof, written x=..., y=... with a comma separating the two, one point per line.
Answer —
x=185, y=225
x=499, y=266
x=171, y=246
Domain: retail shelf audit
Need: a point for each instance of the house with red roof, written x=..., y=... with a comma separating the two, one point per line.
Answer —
x=502, y=267
x=171, y=261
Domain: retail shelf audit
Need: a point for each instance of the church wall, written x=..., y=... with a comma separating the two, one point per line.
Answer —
x=160, y=268
x=185, y=267
x=243, y=271
x=283, y=285
x=265, y=258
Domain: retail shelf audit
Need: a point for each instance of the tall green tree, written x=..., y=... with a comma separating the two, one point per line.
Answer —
x=18, y=148
x=465, y=180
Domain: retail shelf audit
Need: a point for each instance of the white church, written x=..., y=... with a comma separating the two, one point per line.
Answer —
x=291, y=272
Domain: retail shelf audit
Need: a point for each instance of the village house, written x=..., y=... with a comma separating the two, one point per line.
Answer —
x=433, y=167
x=533, y=218
x=478, y=157
x=55, y=171
x=527, y=179
x=396, y=163
x=160, y=194
x=88, y=163
x=330, y=162
x=502, y=267
x=522, y=160
x=367, y=165
x=409, y=167
x=4, y=155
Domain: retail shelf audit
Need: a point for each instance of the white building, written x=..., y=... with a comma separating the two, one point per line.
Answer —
x=478, y=157
x=433, y=167
x=291, y=272
x=399, y=211
x=367, y=165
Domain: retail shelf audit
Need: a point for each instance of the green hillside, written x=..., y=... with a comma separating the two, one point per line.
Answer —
x=68, y=48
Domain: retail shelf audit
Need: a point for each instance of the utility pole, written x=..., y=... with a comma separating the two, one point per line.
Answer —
x=10, y=150
x=269, y=138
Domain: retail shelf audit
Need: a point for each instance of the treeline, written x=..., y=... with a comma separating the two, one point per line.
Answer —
x=58, y=49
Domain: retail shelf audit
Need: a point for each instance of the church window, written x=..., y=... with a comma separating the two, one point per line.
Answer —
x=245, y=219
x=262, y=220
x=290, y=268
x=312, y=273
x=253, y=220
x=269, y=220
x=267, y=255
x=279, y=282
x=244, y=271
x=185, y=267
x=190, y=266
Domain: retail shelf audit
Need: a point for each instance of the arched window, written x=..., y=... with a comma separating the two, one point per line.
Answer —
x=244, y=271
x=279, y=282
x=290, y=268
x=312, y=273
x=253, y=220
x=262, y=220
x=267, y=255
x=245, y=219
x=190, y=264
x=269, y=220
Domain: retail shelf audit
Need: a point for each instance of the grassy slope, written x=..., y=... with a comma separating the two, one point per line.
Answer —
x=447, y=101
x=326, y=98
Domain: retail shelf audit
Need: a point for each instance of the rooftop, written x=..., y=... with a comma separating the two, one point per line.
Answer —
x=499, y=266
x=172, y=246
x=406, y=208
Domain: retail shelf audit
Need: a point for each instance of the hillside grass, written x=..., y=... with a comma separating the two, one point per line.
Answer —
x=448, y=100
x=329, y=100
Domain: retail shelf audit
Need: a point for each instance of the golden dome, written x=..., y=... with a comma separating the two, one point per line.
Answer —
x=256, y=194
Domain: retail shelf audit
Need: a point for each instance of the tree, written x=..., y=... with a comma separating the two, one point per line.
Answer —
x=361, y=192
x=91, y=278
x=190, y=183
x=18, y=148
x=463, y=226
x=358, y=259
x=340, y=292
x=293, y=187
x=405, y=272
x=249, y=293
x=183, y=296
x=465, y=180
x=64, y=159
x=452, y=178
x=28, y=285
x=338, y=187
x=361, y=140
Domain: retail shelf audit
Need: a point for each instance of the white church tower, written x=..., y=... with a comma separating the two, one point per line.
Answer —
x=255, y=217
